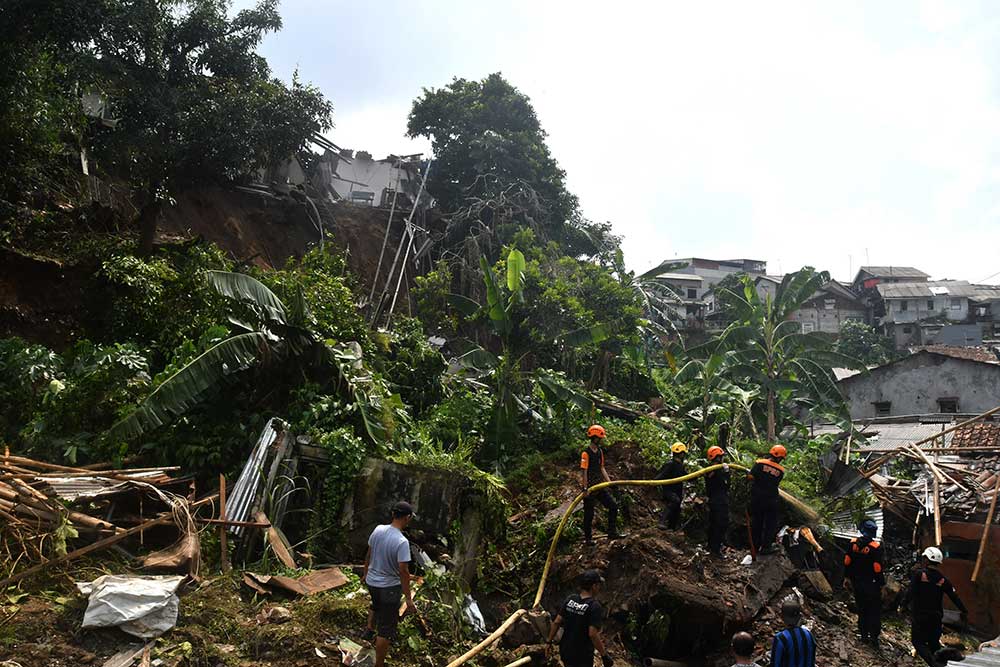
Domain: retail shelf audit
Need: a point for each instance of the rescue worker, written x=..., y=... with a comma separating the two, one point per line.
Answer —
x=717, y=490
x=765, y=478
x=673, y=494
x=863, y=574
x=592, y=472
x=581, y=617
x=927, y=590
x=794, y=646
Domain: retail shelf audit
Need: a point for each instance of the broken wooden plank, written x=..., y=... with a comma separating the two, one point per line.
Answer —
x=223, y=534
x=937, y=512
x=312, y=583
x=279, y=545
x=986, y=532
x=125, y=657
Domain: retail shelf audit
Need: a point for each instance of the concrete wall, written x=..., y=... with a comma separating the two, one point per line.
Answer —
x=914, y=384
x=920, y=309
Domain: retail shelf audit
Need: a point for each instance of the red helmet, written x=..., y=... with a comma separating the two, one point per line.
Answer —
x=779, y=451
x=596, y=431
x=714, y=451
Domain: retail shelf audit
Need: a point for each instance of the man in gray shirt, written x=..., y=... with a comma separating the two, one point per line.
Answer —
x=387, y=575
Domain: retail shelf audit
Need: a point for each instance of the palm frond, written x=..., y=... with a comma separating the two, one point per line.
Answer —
x=248, y=290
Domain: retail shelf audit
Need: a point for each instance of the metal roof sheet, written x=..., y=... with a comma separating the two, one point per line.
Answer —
x=956, y=288
x=885, y=437
x=894, y=272
x=844, y=526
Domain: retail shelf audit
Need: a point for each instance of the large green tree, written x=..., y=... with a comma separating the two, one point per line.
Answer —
x=493, y=168
x=862, y=342
x=195, y=102
x=775, y=355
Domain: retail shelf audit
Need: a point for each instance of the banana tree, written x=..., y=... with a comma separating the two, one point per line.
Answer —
x=716, y=394
x=775, y=355
x=505, y=371
x=270, y=333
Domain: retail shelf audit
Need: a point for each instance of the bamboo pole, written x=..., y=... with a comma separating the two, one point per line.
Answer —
x=478, y=648
x=223, y=535
x=937, y=512
x=520, y=661
x=986, y=532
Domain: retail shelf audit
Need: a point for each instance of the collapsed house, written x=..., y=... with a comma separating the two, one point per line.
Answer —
x=936, y=479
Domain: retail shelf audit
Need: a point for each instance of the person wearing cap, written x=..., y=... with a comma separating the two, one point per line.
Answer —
x=717, y=490
x=765, y=478
x=794, y=646
x=673, y=494
x=742, y=645
x=927, y=590
x=581, y=616
x=592, y=471
x=863, y=574
x=387, y=575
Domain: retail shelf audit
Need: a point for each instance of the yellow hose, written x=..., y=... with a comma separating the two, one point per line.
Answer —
x=604, y=485
x=476, y=650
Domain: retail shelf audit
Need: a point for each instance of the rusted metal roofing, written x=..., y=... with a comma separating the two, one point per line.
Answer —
x=980, y=354
x=74, y=488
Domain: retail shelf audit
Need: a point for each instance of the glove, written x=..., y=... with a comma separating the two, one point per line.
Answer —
x=607, y=660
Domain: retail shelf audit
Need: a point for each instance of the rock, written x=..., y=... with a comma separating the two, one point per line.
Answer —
x=274, y=615
x=532, y=628
x=815, y=585
x=891, y=593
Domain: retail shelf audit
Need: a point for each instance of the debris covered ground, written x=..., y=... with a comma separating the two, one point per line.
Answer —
x=666, y=598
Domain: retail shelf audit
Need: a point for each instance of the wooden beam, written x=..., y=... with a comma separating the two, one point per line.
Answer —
x=937, y=512
x=223, y=535
x=986, y=531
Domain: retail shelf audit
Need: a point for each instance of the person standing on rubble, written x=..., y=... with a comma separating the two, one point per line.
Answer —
x=765, y=478
x=387, y=574
x=581, y=616
x=673, y=494
x=717, y=490
x=592, y=471
x=863, y=574
x=927, y=590
x=794, y=646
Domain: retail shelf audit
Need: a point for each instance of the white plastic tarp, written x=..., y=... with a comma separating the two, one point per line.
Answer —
x=144, y=607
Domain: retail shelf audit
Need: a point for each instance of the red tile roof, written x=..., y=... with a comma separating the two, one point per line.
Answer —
x=980, y=434
x=980, y=354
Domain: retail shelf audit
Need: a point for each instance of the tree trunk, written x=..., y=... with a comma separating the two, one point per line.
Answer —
x=770, y=416
x=149, y=216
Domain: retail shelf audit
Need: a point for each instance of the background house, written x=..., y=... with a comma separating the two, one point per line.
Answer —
x=712, y=271
x=828, y=308
x=934, y=379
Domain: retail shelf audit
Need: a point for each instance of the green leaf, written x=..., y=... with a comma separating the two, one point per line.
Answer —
x=585, y=336
x=463, y=304
x=557, y=392
x=251, y=291
x=664, y=267
x=516, y=266
x=185, y=388
x=479, y=359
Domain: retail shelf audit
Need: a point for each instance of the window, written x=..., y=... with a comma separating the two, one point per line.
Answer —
x=828, y=304
x=883, y=408
x=904, y=305
x=956, y=304
x=930, y=304
x=948, y=405
x=692, y=293
x=808, y=327
x=907, y=330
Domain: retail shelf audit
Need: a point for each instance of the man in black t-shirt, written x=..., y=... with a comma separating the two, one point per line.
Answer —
x=927, y=590
x=673, y=494
x=580, y=617
x=765, y=478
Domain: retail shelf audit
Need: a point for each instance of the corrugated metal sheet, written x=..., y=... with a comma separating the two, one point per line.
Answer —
x=894, y=272
x=844, y=526
x=884, y=437
x=957, y=288
x=74, y=488
x=988, y=657
x=247, y=487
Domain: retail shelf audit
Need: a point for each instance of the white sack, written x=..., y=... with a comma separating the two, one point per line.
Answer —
x=144, y=607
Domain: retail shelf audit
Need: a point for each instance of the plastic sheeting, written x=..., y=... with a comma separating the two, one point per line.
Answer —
x=144, y=607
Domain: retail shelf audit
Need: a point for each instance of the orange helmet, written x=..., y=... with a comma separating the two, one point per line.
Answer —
x=779, y=451
x=596, y=430
x=714, y=451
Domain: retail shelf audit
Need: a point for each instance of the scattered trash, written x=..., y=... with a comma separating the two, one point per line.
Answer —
x=315, y=582
x=319, y=654
x=474, y=615
x=144, y=607
x=747, y=560
x=274, y=615
x=354, y=655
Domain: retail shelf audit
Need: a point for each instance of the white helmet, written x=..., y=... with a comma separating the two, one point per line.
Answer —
x=933, y=554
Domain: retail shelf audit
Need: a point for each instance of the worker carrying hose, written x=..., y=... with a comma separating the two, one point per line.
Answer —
x=927, y=590
x=717, y=490
x=581, y=616
x=765, y=478
x=673, y=494
x=863, y=575
x=592, y=471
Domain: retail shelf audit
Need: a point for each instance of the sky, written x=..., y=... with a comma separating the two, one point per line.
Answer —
x=829, y=134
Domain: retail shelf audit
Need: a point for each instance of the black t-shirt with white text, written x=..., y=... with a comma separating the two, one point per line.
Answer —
x=579, y=614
